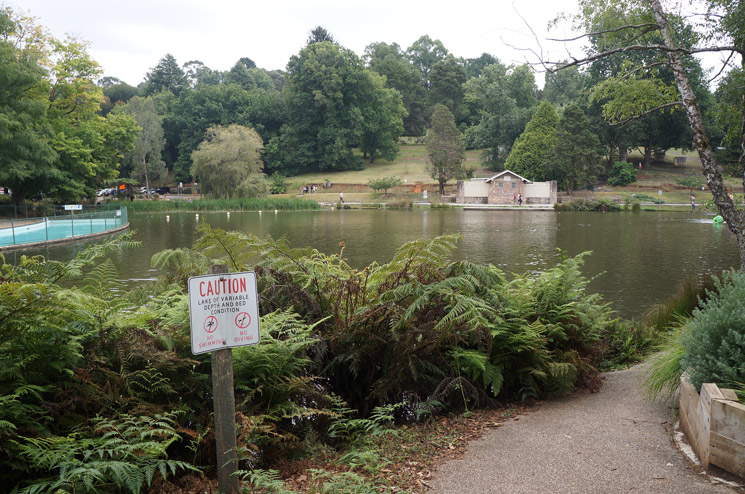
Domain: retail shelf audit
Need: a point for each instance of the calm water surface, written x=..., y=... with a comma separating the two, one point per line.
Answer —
x=641, y=257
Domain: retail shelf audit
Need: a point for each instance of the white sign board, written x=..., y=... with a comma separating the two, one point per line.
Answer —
x=73, y=207
x=224, y=311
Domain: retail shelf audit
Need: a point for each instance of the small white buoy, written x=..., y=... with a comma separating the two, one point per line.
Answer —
x=228, y=213
x=259, y=211
x=275, y=211
x=196, y=215
x=168, y=218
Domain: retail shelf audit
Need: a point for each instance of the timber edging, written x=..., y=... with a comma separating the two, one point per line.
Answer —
x=714, y=424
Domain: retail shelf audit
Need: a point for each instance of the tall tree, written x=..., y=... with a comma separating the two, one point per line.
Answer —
x=445, y=150
x=565, y=87
x=228, y=157
x=577, y=159
x=89, y=147
x=424, y=53
x=721, y=30
x=26, y=155
x=248, y=78
x=165, y=76
x=531, y=153
x=328, y=95
x=382, y=116
x=499, y=109
x=319, y=35
x=401, y=75
x=446, y=87
x=196, y=72
x=475, y=66
x=144, y=162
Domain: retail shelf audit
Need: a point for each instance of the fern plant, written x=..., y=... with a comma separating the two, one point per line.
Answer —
x=124, y=456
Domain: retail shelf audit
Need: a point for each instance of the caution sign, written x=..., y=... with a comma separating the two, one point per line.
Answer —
x=224, y=311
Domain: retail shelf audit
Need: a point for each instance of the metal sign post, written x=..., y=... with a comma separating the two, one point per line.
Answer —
x=224, y=313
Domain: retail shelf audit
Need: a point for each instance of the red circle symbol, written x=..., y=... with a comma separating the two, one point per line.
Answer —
x=242, y=320
x=210, y=324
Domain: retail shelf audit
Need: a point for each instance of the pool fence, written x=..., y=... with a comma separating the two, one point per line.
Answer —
x=22, y=226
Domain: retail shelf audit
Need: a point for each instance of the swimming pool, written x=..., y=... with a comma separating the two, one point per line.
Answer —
x=60, y=228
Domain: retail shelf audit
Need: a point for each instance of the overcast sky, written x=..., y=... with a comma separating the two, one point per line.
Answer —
x=128, y=38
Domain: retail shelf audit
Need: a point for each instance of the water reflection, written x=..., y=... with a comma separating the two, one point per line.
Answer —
x=641, y=257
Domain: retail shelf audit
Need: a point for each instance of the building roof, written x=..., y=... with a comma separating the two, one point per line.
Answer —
x=525, y=180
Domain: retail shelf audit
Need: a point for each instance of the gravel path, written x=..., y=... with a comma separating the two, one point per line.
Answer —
x=614, y=441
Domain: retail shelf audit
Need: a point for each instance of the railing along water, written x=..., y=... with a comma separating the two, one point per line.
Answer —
x=15, y=232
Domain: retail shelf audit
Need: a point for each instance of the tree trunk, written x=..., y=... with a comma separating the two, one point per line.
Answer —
x=733, y=217
x=147, y=180
x=647, y=152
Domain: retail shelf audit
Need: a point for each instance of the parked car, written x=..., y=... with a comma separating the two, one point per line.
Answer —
x=106, y=192
x=161, y=190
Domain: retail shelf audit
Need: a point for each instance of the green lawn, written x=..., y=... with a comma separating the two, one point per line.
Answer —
x=409, y=166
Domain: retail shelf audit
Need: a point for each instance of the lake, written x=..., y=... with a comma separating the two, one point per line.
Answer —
x=641, y=258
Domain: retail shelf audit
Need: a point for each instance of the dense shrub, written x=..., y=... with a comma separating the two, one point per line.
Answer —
x=420, y=334
x=622, y=173
x=199, y=205
x=714, y=339
x=277, y=184
x=602, y=205
x=253, y=186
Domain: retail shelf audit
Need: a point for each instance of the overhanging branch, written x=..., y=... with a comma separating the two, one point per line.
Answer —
x=597, y=33
x=632, y=48
x=623, y=123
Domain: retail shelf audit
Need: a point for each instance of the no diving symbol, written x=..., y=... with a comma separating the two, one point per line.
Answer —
x=210, y=324
x=242, y=320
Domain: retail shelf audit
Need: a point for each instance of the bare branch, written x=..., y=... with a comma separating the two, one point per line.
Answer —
x=535, y=36
x=597, y=33
x=724, y=66
x=630, y=48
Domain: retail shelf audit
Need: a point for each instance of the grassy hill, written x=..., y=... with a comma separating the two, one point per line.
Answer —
x=410, y=166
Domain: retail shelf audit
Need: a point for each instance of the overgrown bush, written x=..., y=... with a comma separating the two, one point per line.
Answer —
x=277, y=184
x=601, y=205
x=424, y=328
x=199, y=205
x=714, y=339
x=339, y=347
x=253, y=186
x=622, y=173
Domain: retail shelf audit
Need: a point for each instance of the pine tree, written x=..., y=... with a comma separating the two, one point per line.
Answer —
x=533, y=149
x=577, y=151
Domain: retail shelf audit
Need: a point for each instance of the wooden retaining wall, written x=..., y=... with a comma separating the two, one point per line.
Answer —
x=714, y=423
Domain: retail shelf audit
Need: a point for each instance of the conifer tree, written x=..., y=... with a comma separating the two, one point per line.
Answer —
x=533, y=149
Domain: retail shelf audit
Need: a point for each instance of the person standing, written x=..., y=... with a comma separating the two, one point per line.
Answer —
x=693, y=202
x=341, y=197
x=519, y=199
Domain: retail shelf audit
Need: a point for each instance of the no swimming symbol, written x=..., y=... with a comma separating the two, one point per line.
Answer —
x=210, y=324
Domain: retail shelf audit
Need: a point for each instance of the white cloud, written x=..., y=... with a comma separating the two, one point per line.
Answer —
x=128, y=38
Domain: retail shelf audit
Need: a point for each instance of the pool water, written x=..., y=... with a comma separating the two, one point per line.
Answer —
x=60, y=228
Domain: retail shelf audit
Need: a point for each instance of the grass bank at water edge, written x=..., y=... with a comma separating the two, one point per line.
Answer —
x=249, y=204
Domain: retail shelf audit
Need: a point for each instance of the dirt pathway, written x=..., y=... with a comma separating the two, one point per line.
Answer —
x=614, y=441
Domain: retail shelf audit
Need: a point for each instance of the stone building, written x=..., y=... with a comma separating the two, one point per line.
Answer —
x=503, y=187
